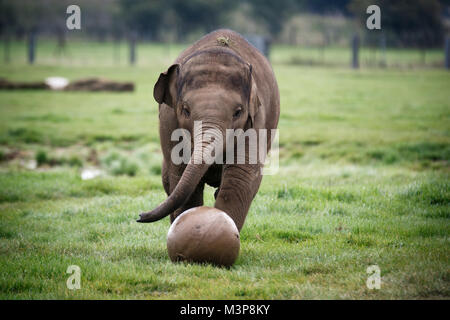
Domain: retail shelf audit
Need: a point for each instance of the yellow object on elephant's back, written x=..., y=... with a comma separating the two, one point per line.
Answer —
x=223, y=41
x=204, y=234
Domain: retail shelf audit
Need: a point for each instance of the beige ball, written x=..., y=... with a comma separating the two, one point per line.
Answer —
x=204, y=234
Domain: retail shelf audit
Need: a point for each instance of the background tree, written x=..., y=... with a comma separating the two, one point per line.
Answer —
x=411, y=23
x=275, y=13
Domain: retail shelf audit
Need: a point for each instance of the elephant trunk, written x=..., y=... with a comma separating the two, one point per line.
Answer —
x=193, y=173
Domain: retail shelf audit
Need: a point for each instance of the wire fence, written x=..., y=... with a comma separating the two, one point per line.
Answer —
x=82, y=52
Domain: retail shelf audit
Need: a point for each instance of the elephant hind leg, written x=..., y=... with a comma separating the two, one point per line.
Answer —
x=216, y=193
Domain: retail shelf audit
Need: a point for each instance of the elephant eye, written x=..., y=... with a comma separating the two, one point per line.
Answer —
x=237, y=113
x=185, y=111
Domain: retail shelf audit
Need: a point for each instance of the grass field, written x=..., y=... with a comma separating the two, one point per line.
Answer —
x=363, y=180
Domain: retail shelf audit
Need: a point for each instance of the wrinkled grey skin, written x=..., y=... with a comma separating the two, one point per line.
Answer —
x=226, y=83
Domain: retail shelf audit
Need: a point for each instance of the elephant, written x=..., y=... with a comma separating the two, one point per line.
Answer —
x=226, y=83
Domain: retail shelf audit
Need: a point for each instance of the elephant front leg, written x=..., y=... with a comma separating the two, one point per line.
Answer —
x=239, y=186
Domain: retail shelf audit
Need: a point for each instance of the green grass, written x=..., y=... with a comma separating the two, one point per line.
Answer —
x=363, y=180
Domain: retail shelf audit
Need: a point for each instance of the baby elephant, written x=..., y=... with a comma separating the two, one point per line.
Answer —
x=226, y=87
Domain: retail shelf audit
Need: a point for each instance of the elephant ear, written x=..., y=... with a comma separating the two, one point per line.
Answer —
x=254, y=101
x=164, y=90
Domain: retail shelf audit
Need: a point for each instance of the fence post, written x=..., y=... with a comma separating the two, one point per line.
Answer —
x=259, y=42
x=133, y=48
x=355, y=51
x=447, y=53
x=31, y=46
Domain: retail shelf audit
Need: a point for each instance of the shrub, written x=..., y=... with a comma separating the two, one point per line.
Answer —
x=118, y=164
x=41, y=157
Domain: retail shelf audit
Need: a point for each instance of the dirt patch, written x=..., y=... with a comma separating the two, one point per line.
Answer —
x=89, y=84
x=9, y=85
x=97, y=84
